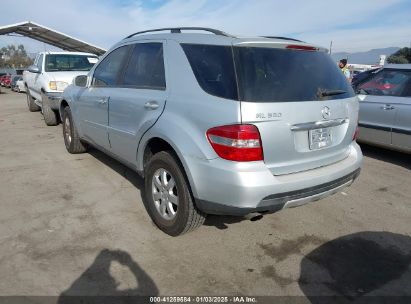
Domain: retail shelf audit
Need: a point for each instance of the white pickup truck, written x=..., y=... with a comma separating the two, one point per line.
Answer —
x=47, y=78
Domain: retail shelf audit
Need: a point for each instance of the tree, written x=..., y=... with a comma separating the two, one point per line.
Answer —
x=397, y=59
x=401, y=56
x=14, y=57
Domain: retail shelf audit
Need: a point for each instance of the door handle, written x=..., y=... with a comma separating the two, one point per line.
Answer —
x=387, y=107
x=151, y=105
x=102, y=100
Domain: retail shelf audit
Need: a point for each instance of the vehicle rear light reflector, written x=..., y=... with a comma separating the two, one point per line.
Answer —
x=301, y=47
x=236, y=142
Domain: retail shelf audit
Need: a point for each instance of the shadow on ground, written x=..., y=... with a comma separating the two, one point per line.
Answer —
x=96, y=284
x=393, y=157
x=358, y=265
x=220, y=222
x=118, y=167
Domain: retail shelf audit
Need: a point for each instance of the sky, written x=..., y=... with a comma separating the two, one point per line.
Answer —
x=352, y=25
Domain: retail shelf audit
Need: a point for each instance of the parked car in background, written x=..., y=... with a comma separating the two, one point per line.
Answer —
x=14, y=79
x=2, y=74
x=218, y=124
x=4, y=80
x=20, y=86
x=46, y=80
x=385, y=108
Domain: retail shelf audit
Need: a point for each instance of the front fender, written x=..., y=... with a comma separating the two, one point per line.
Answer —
x=69, y=95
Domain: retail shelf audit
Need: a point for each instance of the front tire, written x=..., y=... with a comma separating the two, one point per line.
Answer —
x=168, y=198
x=71, y=139
x=50, y=116
x=33, y=107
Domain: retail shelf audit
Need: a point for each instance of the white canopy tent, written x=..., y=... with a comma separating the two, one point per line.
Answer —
x=50, y=36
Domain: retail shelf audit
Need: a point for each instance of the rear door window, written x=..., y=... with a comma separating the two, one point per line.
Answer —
x=213, y=68
x=107, y=71
x=145, y=68
x=281, y=75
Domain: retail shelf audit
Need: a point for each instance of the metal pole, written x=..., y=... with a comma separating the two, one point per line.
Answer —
x=331, y=46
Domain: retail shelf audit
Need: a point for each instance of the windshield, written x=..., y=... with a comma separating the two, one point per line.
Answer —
x=65, y=62
x=270, y=74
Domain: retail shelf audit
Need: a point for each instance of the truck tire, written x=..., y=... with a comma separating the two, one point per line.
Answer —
x=168, y=198
x=71, y=139
x=33, y=107
x=50, y=116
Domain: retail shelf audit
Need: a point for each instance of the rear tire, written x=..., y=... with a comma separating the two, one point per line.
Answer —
x=71, y=139
x=165, y=185
x=33, y=107
x=50, y=116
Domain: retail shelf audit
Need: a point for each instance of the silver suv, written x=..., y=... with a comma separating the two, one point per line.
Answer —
x=218, y=124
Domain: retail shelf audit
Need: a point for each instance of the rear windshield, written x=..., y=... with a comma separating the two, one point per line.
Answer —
x=267, y=74
x=63, y=62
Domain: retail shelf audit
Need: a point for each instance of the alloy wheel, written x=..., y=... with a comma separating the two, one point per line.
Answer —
x=164, y=192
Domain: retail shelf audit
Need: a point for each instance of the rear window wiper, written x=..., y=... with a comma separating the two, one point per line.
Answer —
x=323, y=93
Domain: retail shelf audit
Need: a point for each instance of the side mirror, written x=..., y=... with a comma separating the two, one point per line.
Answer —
x=81, y=81
x=34, y=69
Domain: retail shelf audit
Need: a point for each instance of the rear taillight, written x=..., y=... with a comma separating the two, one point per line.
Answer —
x=236, y=142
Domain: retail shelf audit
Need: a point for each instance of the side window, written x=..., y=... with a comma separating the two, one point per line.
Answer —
x=106, y=73
x=146, y=67
x=388, y=82
x=40, y=62
x=213, y=68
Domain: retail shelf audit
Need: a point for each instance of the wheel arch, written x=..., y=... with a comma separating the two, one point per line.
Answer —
x=63, y=105
x=151, y=145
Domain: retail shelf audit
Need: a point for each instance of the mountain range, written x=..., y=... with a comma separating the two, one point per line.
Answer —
x=369, y=57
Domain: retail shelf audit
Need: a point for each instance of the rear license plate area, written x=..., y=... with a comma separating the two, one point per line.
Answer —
x=319, y=138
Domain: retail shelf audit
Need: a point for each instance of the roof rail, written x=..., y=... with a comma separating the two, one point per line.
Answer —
x=284, y=38
x=179, y=29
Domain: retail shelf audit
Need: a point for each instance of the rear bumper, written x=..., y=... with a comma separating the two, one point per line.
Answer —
x=285, y=200
x=230, y=188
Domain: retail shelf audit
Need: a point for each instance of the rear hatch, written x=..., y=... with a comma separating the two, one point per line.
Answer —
x=304, y=108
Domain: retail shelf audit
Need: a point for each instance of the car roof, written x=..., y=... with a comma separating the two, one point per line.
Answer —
x=398, y=66
x=212, y=39
x=215, y=38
